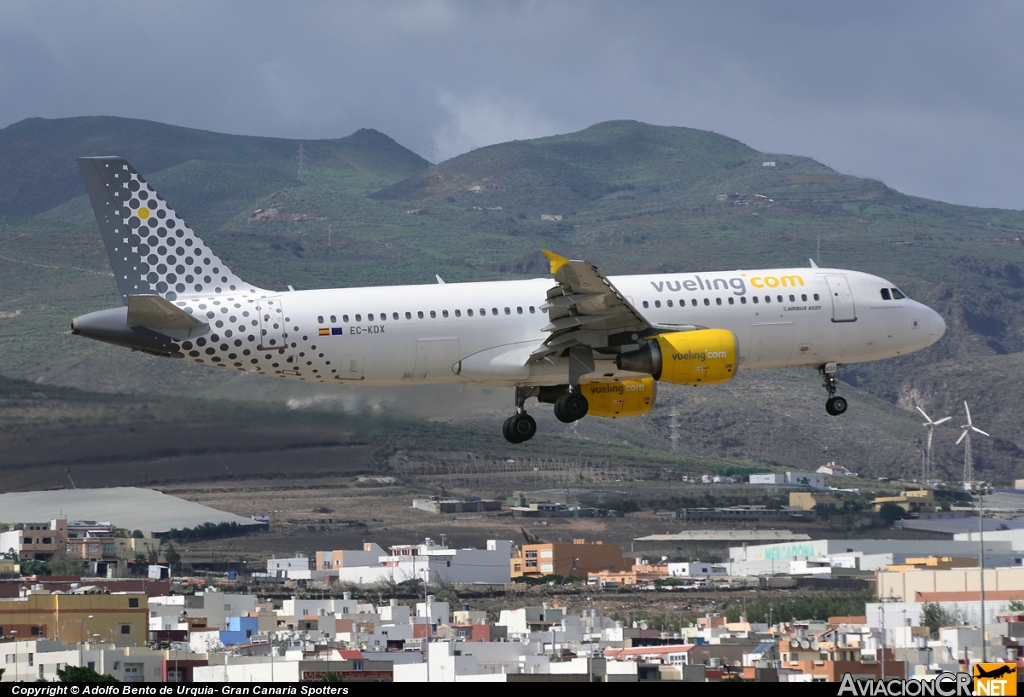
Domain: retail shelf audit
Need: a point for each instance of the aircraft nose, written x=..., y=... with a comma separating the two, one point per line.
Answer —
x=936, y=325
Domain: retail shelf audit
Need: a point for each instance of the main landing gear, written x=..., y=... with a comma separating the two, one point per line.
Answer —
x=520, y=427
x=570, y=406
x=834, y=406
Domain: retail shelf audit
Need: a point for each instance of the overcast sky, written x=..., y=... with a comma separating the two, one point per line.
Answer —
x=925, y=96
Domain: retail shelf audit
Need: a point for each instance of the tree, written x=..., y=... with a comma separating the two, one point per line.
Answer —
x=78, y=674
x=890, y=512
x=63, y=565
x=935, y=617
x=172, y=556
x=34, y=567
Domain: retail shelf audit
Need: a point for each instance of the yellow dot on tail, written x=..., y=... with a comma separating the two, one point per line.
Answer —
x=143, y=213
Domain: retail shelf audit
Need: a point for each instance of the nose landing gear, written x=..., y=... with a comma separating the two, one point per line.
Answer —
x=834, y=406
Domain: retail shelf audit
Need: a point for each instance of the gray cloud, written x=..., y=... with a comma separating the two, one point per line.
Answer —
x=924, y=96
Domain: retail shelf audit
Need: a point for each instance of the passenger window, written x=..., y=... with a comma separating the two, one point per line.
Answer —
x=767, y=298
x=444, y=313
x=885, y=294
x=532, y=310
x=706, y=301
x=718, y=301
x=369, y=317
x=669, y=303
x=320, y=319
x=519, y=310
x=754, y=298
x=408, y=315
x=792, y=298
x=394, y=315
x=359, y=318
x=657, y=303
x=743, y=300
x=344, y=318
x=694, y=302
x=645, y=304
x=433, y=315
x=333, y=319
x=779, y=298
x=420, y=314
x=803, y=297
x=897, y=295
x=469, y=312
x=458, y=313
x=732, y=300
x=494, y=311
x=816, y=297
x=508, y=311
x=483, y=312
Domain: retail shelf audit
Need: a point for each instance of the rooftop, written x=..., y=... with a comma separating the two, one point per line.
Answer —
x=127, y=507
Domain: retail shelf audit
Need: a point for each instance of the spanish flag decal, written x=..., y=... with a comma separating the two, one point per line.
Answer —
x=325, y=331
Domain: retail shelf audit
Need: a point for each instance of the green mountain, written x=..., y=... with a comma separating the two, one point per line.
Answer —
x=38, y=169
x=630, y=197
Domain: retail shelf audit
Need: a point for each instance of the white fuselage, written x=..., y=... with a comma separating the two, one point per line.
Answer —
x=484, y=332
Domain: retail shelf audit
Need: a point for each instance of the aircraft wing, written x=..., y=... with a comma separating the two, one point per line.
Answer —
x=585, y=309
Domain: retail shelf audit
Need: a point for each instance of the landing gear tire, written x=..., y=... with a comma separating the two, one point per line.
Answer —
x=836, y=406
x=519, y=428
x=571, y=407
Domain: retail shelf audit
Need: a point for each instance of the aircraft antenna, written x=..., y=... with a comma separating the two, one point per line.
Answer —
x=927, y=472
x=965, y=436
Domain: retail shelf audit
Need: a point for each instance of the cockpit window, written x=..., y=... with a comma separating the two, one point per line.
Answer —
x=897, y=295
x=885, y=294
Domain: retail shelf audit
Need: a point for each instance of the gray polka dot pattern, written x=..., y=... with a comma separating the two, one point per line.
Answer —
x=151, y=249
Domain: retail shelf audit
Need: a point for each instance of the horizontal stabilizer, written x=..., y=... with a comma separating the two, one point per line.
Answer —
x=160, y=315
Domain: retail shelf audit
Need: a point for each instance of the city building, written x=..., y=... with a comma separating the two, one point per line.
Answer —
x=576, y=559
x=38, y=541
x=119, y=619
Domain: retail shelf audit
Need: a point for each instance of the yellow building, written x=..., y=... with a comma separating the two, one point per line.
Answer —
x=121, y=619
x=920, y=501
x=9, y=566
x=576, y=559
x=912, y=563
x=807, y=500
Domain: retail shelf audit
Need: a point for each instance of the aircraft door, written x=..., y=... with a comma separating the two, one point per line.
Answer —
x=272, y=326
x=843, y=309
x=435, y=358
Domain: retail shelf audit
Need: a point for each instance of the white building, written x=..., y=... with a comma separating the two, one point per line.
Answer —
x=287, y=568
x=770, y=478
x=811, y=479
x=436, y=563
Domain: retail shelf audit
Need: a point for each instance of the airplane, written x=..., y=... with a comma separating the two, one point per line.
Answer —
x=1003, y=669
x=584, y=342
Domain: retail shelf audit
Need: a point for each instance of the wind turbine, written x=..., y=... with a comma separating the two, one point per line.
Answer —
x=926, y=465
x=966, y=437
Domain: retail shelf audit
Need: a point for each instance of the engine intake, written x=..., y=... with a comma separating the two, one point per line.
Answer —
x=701, y=357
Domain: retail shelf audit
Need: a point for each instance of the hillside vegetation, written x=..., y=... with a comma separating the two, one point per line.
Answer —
x=631, y=197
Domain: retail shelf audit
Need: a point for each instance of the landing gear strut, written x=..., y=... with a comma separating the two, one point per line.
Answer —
x=520, y=427
x=834, y=406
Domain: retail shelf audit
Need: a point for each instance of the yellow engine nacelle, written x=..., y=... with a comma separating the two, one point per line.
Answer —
x=618, y=398
x=700, y=357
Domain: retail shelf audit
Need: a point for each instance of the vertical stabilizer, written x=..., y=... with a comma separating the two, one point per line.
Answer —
x=151, y=250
